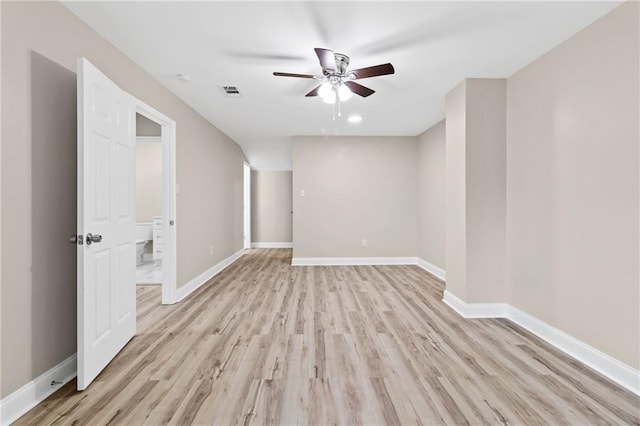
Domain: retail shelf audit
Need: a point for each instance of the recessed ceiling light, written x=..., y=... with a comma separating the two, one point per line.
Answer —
x=183, y=77
x=354, y=119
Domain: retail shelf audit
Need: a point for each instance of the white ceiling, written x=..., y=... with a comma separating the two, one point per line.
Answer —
x=432, y=45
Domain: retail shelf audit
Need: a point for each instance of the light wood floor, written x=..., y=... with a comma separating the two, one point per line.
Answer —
x=265, y=342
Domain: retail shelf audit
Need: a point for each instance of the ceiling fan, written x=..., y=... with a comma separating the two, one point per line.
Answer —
x=337, y=82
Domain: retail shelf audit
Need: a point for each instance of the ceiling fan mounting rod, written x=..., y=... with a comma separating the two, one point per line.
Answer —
x=342, y=62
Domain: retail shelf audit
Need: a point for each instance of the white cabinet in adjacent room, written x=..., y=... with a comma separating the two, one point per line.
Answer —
x=157, y=238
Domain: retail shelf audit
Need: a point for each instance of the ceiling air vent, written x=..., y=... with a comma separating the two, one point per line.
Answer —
x=231, y=91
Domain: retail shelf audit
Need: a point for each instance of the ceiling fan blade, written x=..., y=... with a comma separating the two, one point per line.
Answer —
x=374, y=71
x=314, y=92
x=359, y=89
x=327, y=60
x=288, y=74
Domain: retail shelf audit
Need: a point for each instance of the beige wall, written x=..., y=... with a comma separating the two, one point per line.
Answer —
x=40, y=44
x=432, y=175
x=456, y=234
x=485, y=178
x=271, y=218
x=573, y=132
x=38, y=215
x=148, y=181
x=355, y=188
x=476, y=190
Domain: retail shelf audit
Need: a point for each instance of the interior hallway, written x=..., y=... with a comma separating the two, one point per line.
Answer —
x=265, y=342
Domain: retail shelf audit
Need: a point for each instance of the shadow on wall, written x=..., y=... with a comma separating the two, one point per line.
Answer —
x=254, y=202
x=53, y=209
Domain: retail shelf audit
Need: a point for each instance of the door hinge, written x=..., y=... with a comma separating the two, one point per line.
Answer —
x=76, y=239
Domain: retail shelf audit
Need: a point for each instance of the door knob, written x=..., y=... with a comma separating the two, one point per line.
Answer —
x=90, y=238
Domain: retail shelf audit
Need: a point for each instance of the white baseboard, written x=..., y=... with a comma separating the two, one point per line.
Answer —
x=432, y=269
x=475, y=310
x=195, y=283
x=24, y=399
x=333, y=261
x=615, y=370
x=329, y=261
x=272, y=245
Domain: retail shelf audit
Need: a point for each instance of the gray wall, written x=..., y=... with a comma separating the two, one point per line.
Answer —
x=572, y=194
x=148, y=171
x=146, y=127
x=40, y=44
x=148, y=181
x=432, y=208
x=355, y=188
x=271, y=205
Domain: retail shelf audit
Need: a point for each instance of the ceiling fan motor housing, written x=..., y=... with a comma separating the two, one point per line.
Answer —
x=342, y=62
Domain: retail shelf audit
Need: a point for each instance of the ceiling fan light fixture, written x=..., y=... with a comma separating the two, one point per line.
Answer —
x=344, y=93
x=326, y=91
x=331, y=98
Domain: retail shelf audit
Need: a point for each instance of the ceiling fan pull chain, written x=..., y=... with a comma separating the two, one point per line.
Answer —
x=334, y=112
x=335, y=102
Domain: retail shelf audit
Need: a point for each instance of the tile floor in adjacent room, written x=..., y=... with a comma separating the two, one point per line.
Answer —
x=149, y=273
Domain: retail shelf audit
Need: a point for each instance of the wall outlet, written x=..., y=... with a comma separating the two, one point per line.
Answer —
x=177, y=188
x=364, y=242
x=211, y=249
x=302, y=193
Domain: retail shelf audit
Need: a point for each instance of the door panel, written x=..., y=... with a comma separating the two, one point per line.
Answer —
x=106, y=207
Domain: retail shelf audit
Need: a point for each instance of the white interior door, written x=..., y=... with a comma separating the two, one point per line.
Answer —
x=106, y=211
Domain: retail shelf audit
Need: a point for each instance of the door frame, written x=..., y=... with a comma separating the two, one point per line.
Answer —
x=246, y=189
x=169, y=190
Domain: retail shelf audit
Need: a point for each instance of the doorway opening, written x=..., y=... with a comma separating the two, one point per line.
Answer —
x=148, y=201
x=156, y=188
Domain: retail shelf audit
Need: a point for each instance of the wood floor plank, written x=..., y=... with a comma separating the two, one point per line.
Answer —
x=267, y=343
